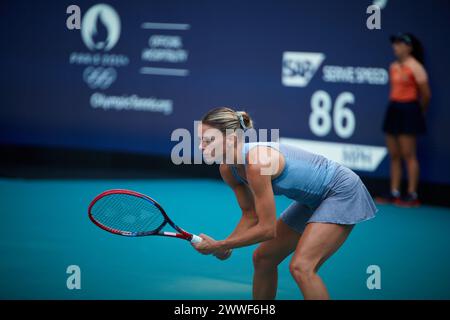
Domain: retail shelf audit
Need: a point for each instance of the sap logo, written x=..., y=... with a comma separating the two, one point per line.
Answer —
x=299, y=67
x=100, y=27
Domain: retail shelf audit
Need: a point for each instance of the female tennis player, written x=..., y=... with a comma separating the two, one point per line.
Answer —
x=405, y=116
x=328, y=200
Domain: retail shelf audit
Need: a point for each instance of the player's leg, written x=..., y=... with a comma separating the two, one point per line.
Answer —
x=268, y=256
x=317, y=243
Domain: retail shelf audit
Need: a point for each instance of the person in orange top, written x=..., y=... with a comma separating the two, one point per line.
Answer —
x=405, y=116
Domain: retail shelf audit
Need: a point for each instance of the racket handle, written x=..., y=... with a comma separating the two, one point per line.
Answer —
x=196, y=239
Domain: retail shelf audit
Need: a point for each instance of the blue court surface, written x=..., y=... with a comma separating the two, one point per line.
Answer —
x=45, y=229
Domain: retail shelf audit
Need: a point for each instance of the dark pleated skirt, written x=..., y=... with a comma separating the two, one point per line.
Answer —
x=404, y=118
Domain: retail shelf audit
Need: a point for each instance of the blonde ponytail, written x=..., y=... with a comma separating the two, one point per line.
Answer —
x=224, y=118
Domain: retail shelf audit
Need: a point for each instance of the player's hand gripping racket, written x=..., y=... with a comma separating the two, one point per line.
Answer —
x=128, y=213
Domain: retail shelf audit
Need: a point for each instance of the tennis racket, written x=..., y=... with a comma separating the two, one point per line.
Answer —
x=132, y=214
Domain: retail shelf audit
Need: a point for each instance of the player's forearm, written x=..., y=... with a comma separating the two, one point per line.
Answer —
x=255, y=234
x=247, y=221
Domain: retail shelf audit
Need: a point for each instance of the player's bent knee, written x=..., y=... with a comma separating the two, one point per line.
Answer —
x=301, y=270
x=262, y=259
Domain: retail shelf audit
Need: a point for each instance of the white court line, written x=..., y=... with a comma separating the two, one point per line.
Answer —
x=165, y=26
x=164, y=71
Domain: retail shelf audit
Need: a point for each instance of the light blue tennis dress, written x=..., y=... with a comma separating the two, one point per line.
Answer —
x=322, y=189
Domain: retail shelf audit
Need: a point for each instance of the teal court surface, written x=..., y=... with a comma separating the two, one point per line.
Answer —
x=45, y=228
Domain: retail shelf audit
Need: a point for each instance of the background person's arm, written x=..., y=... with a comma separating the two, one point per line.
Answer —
x=425, y=95
x=421, y=76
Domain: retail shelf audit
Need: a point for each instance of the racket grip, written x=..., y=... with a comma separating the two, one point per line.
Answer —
x=196, y=239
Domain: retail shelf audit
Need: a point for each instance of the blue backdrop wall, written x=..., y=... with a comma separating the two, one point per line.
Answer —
x=137, y=70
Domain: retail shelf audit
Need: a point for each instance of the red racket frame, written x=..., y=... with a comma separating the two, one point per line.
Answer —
x=181, y=235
